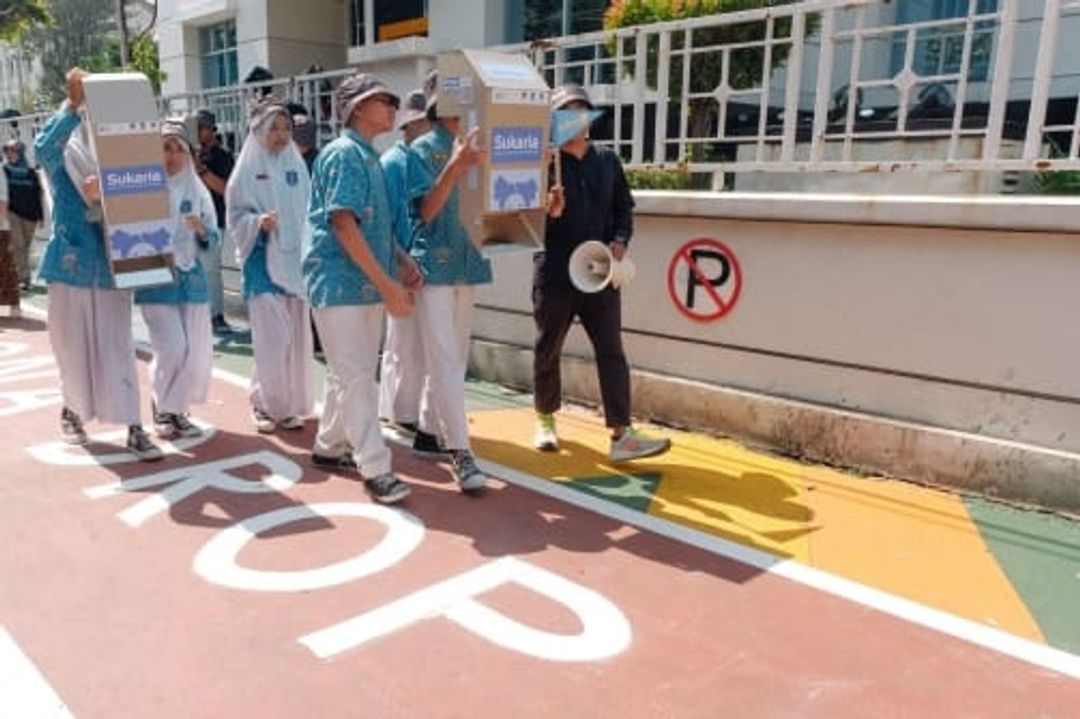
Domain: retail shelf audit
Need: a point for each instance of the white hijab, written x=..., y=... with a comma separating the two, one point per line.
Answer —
x=79, y=159
x=185, y=186
x=262, y=181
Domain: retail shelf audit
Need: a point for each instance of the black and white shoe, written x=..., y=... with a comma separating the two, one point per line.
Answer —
x=427, y=445
x=184, y=426
x=71, y=427
x=164, y=427
x=139, y=444
x=331, y=462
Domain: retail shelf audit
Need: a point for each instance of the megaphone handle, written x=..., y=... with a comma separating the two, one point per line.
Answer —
x=558, y=166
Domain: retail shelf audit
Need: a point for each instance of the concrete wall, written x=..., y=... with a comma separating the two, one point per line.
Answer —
x=285, y=36
x=950, y=313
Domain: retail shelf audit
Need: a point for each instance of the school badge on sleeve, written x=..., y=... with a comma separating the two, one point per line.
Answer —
x=292, y=178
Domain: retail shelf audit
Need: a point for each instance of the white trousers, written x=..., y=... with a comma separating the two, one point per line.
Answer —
x=183, y=345
x=90, y=333
x=444, y=314
x=350, y=339
x=281, y=339
x=401, y=380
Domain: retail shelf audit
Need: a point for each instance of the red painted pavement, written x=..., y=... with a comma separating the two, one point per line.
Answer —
x=120, y=625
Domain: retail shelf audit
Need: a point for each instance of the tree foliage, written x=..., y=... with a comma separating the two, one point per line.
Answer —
x=84, y=33
x=18, y=16
x=81, y=31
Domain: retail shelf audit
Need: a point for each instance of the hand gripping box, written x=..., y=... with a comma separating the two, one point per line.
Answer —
x=125, y=134
x=502, y=201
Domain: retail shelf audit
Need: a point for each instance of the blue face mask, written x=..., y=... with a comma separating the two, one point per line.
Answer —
x=568, y=124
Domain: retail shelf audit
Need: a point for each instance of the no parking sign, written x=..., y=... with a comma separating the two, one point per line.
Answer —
x=704, y=279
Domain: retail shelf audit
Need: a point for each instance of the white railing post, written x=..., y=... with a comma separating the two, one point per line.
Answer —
x=962, y=82
x=824, y=85
x=763, y=104
x=663, y=70
x=794, y=84
x=999, y=92
x=684, y=106
x=641, y=71
x=1040, y=89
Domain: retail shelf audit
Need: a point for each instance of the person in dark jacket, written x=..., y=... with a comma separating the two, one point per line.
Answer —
x=24, y=206
x=214, y=164
x=593, y=202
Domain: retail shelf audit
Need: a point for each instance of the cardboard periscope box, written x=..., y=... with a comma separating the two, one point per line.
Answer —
x=125, y=133
x=501, y=201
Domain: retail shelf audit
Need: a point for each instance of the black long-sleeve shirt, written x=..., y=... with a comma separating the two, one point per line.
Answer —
x=598, y=207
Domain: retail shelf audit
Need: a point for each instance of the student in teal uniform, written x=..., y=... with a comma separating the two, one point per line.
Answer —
x=452, y=267
x=178, y=315
x=349, y=271
x=89, y=319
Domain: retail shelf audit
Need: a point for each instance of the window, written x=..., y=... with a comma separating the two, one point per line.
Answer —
x=393, y=19
x=549, y=18
x=939, y=50
x=217, y=49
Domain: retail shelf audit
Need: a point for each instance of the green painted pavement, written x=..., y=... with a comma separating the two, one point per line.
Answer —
x=1040, y=553
x=635, y=491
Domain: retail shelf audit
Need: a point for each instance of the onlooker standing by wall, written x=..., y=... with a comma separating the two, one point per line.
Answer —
x=9, y=277
x=214, y=164
x=24, y=206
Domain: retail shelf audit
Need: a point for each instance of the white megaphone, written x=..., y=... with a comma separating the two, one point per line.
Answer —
x=593, y=267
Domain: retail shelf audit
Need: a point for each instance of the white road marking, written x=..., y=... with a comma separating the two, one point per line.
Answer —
x=24, y=692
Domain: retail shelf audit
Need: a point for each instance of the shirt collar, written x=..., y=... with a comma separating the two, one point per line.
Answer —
x=358, y=139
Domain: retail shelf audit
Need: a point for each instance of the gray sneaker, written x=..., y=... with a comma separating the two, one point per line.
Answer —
x=387, y=489
x=634, y=444
x=468, y=475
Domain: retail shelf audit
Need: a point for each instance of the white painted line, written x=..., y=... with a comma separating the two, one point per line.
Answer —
x=1002, y=642
x=24, y=692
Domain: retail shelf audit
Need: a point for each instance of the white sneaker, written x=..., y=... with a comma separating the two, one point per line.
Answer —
x=634, y=444
x=545, y=438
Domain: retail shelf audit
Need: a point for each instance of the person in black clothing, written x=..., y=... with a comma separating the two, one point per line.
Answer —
x=593, y=202
x=214, y=164
x=305, y=135
x=24, y=206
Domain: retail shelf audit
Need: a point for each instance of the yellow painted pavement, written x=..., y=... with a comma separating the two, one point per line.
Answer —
x=910, y=541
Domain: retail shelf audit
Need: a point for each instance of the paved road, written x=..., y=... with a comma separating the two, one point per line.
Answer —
x=234, y=579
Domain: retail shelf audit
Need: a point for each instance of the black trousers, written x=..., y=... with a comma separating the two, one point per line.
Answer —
x=555, y=305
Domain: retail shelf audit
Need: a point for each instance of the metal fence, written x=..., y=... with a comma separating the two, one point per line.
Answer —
x=820, y=85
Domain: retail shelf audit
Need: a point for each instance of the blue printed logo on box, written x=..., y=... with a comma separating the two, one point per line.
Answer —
x=516, y=144
x=132, y=180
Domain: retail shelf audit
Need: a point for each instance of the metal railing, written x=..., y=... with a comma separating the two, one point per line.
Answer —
x=819, y=85
x=826, y=85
